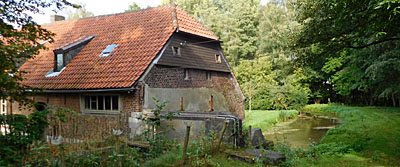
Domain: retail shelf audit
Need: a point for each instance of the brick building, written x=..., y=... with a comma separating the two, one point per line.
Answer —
x=116, y=64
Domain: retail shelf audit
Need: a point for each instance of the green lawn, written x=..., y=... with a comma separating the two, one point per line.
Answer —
x=264, y=119
x=368, y=136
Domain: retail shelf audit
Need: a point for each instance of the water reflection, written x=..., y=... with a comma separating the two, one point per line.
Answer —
x=300, y=132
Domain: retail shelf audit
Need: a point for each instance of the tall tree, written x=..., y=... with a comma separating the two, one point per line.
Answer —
x=351, y=45
x=20, y=39
x=133, y=7
x=79, y=13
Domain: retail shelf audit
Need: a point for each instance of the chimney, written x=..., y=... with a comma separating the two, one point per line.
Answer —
x=174, y=17
x=54, y=18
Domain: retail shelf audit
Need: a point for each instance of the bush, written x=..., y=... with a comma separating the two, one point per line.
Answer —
x=23, y=131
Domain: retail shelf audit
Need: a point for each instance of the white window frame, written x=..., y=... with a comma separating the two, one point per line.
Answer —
x=3, y=107
x=208, y=75
x=90, y=111
x=218, y=58
x=186, y=74
x=176, y=52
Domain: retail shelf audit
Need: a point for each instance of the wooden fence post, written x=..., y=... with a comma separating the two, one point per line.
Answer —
x=222, y=135
x=181, y=104
x=186, y=144
x=249, y=140
x=211, y=103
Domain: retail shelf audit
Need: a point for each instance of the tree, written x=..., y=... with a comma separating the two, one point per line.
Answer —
x=351, y=46
x=133, y=7
x=20, y=39
x=79, y=13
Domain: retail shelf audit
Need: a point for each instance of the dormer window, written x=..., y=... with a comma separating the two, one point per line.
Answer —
x=217, y=58
x=64, y=54
x=176, y=51
x=60, y=62
x=107, y=51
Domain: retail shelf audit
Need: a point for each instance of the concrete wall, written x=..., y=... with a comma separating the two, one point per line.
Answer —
x=194, y=99
x=168, y=83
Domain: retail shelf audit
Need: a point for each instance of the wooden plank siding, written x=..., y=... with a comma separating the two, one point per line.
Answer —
x=198, y=53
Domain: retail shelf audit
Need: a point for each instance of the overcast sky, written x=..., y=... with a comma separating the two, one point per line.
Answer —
x=102, y=7
x=99, y=7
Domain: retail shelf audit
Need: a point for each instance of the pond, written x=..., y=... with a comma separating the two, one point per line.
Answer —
x=301, y=131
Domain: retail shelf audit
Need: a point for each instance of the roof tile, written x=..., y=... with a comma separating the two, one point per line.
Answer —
x=140, y=36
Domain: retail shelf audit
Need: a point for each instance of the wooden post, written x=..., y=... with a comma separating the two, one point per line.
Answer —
x=181, y=104
x=186, y=144
x=211, y=103
x=221, y=136
x=249, y=140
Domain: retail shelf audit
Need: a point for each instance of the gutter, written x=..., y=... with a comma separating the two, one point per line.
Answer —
x=86, y=90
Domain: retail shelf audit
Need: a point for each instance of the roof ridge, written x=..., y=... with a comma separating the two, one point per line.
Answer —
x=106, y=15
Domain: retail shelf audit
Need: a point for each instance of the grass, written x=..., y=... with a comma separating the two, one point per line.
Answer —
x=174, y=159
x=367, y=136
x=265, y=119
x=370, y=135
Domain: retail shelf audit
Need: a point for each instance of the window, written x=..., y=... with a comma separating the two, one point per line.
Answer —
x=107, y=51
x=60, y=62
x=100, y=103
x=208, y=75
x=186, y=74
x=3, y=107
x=217, y=58
x=176, y=51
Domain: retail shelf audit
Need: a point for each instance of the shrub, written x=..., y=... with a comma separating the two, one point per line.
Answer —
x=23, y=131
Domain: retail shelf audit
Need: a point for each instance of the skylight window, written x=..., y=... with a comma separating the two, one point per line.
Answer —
x=107, y=51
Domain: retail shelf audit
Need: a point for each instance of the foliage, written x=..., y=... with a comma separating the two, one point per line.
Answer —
x=154, y=134
x=23, y=131
x=342, y=54
x=79, y=13
x=133, y=7
x=20, y=39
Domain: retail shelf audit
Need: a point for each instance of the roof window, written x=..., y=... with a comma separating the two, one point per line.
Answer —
x=107, y=51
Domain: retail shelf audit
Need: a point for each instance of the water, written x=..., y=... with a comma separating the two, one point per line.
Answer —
x=301, y=131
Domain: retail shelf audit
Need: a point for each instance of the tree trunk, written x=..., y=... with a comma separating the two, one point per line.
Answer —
x=394, y=100
x=250, y=105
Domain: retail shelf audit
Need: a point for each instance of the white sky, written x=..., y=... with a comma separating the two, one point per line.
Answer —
x=99, y=7
x=102, y=7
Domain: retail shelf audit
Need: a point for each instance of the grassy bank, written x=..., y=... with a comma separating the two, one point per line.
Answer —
x=368, y=136
x=265, y=119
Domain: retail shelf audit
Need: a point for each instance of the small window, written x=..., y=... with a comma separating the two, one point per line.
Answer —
x=60, y=62
x=101, y=103
x=186, y=74
x=176, y=51
x=217, y=58
x=208, y=75
x=107, y=51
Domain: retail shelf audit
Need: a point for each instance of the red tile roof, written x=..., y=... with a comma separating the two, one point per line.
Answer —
x=140, y=36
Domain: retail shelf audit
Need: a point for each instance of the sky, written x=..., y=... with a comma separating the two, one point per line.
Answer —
x=102, y=7
x=98, y=7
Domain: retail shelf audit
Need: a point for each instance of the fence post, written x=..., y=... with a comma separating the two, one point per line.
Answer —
x=181, y=104
x=249, y=140
x=222, y=135
x=186, y=144
x=211, y=103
